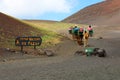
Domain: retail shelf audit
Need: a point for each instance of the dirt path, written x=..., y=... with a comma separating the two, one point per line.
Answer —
x=110, y=41
x=66, y=66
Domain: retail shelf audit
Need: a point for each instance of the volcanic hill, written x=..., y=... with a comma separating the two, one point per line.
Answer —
x=12, y=27
x=103, y=13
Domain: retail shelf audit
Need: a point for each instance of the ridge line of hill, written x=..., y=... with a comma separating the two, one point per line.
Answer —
x=103, y=13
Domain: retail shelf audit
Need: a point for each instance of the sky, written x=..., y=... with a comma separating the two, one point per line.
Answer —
x=56, y=10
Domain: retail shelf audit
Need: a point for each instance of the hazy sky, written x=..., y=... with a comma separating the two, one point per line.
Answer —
x=43, y=9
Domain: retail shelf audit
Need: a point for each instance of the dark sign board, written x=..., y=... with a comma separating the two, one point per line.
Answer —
x=28, y=41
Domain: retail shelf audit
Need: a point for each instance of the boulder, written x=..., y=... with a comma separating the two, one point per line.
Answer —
x=49, y=52
x=101, y=53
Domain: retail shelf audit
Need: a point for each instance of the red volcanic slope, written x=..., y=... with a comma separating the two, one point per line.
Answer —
x=105, y=13
x=11, y=27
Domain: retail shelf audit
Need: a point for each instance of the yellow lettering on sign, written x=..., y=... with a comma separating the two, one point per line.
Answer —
x=23, y=43
x=36, y=38
x=23, y=38
x=17, y=42
x=30, y=39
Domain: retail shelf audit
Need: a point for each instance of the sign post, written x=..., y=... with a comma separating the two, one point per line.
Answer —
x=28, y=41
x=21, y=48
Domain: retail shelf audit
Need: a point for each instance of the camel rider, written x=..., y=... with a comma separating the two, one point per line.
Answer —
x=75, y=32
x=80, y=32
x=90, y=31
x=70, y=30
x=80, y=36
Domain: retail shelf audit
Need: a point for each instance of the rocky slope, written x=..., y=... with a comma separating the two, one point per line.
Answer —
x=105, y=13
x=12, y=27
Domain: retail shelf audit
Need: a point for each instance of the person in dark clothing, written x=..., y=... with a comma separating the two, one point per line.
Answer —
x=75, y=32
x=80, y=36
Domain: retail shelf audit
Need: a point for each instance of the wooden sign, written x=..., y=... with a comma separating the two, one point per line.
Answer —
x=28, y=41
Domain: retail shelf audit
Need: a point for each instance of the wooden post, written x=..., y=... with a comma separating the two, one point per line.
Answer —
x=21, y=48
x=34, y=47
